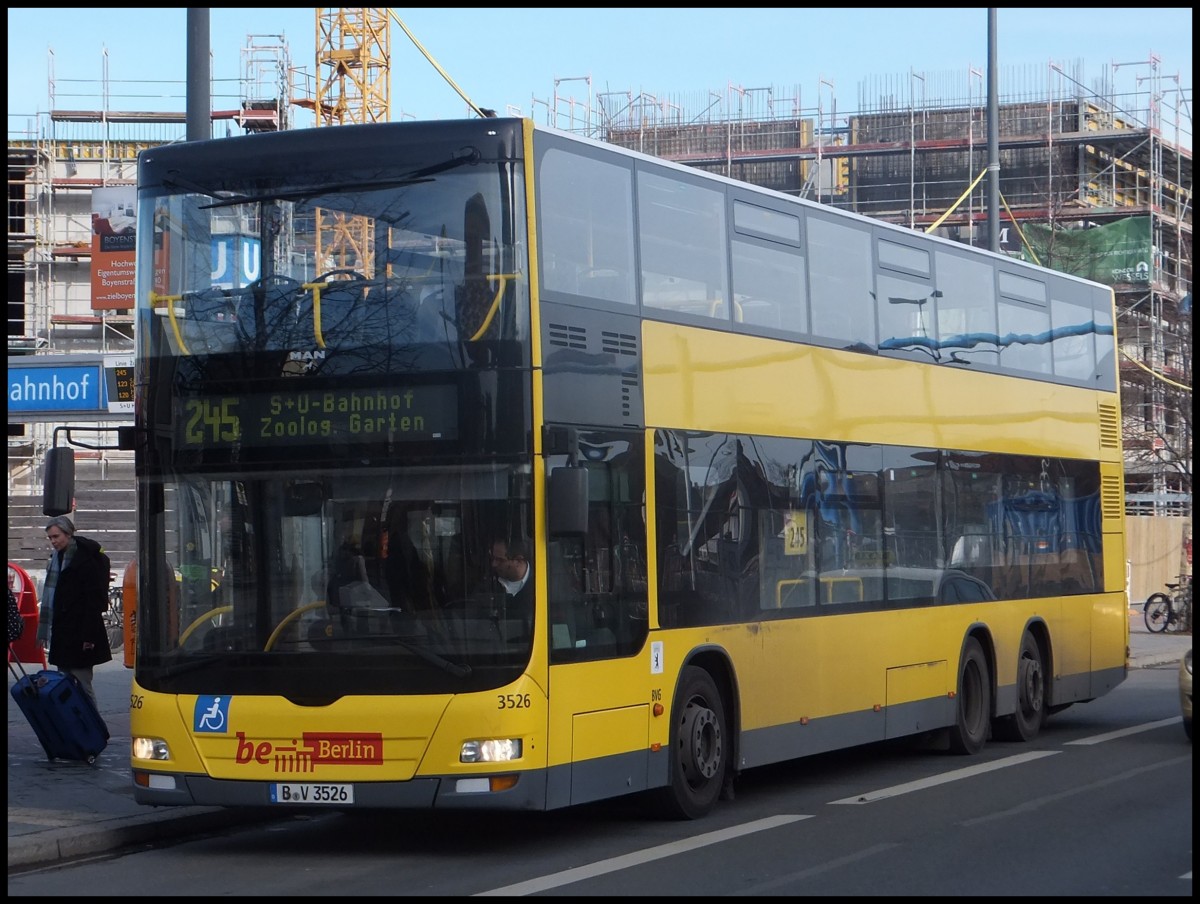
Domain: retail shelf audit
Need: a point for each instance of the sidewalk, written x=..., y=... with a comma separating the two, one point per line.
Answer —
x=62, y=810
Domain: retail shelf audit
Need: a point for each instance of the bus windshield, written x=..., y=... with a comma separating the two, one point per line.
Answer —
x=326, y=350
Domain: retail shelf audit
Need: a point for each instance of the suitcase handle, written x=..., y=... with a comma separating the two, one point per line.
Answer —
x=14, y=658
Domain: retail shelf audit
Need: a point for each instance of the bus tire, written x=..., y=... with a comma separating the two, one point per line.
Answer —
x=1027, y=721
x=698, y=753
x=973, y=701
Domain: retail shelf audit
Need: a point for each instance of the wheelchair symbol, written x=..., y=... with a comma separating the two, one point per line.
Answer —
x=211, y=714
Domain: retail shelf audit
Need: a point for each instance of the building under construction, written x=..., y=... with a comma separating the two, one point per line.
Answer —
x=1091, y=181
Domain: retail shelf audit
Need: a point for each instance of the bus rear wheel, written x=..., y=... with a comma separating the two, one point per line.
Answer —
x=698, y=747
x=1026, y=722
x=974, y=701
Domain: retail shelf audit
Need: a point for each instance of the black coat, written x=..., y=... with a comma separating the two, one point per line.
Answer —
x=78, y=636
x=520, y=604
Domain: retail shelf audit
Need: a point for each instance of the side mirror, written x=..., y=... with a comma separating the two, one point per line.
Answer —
x=567, y=512
x=58, y=493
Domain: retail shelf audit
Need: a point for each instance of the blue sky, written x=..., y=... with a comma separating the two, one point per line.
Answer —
x=508, y=58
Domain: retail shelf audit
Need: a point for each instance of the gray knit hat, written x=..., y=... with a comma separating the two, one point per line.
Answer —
x=63, y=523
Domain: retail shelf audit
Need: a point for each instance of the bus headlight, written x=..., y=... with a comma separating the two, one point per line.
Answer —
x=150, y=749
x=496, y=750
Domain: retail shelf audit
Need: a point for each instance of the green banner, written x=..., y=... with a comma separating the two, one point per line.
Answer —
x=1116, y=254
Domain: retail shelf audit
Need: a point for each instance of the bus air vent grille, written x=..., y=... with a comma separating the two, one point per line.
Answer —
x=565, y=336
x=1111, y=505
x=619, y=343
x=1110, y=427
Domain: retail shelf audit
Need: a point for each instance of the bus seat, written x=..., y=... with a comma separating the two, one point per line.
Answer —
x=433, y=322
x=602, y=638
x=271, y=305
x=564, y=621
x=760, y=313
x=973, y=547
x=604, y=283
x=793, y=592
x=209, y=323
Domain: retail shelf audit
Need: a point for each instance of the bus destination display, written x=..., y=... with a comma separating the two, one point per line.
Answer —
x=391, y=414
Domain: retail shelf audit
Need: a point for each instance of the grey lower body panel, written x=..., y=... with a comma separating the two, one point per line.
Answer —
x=529, y=793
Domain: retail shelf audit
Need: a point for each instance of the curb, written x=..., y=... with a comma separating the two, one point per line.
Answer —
x=78, y=842
x=1156, y=660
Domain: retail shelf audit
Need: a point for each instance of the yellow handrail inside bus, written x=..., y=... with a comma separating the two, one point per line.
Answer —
x=211, y=613
x=155, y=300
x=788, y=583
x=288, y=619
x=852, y=581
x=315, y=288
x=826, y=584
x=495, y=306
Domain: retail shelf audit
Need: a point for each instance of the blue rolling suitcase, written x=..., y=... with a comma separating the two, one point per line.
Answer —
x=62, y=715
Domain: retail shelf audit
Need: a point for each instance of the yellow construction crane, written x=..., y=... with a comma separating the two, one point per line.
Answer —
x=352, y=86
x=354, y=56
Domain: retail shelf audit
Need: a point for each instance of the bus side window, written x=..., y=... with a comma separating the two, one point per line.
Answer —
x=603, y=283
x=973, y=548
x=565, y=592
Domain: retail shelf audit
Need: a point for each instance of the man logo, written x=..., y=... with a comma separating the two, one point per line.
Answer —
x=300, y=364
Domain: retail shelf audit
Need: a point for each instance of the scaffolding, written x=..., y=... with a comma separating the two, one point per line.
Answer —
x=56, y=161
x=1072, y=157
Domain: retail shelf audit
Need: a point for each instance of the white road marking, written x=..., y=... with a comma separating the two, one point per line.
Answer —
x=613, y=864
x=1113, y=735
x=1030, y=806
x=599, y=868
x=801, y=875
x=945, y=778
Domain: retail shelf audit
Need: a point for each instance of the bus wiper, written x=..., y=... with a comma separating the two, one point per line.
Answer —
x=416, y=177
x=458, y=670
x=310, y=191
x=192, y=663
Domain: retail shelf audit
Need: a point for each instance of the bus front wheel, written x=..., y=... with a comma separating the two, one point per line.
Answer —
x=974, y=701
x=699, y=747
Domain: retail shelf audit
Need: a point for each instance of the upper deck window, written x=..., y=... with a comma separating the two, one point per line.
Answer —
x=1022, y=288
x=895, y=256
x=586, y=227
x=750, y=219
x=966, y=311
x=842, y=291
x=683, y=246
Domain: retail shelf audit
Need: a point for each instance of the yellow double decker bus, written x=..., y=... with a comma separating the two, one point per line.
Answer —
x=482, y=465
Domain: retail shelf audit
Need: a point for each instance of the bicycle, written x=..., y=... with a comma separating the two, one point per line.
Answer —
x=1173, y=612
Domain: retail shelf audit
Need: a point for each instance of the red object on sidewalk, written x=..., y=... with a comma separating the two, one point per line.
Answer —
x=26, y=648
